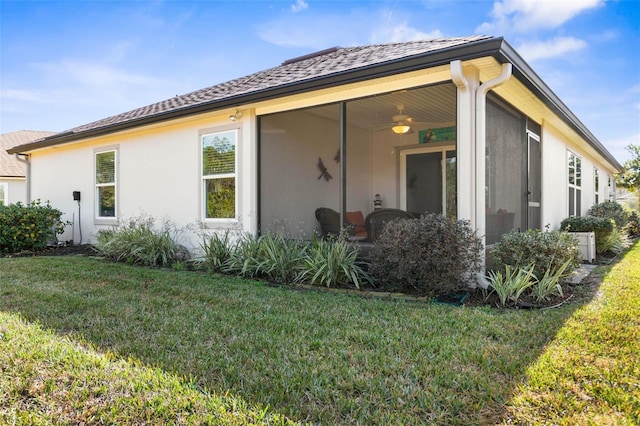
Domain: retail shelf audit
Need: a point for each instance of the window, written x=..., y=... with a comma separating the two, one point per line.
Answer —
x=596, y=184
x=106, y=174
x=4, y=194
x=575, y=183
x=219, y=174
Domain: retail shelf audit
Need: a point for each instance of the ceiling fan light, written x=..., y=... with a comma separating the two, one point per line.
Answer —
x=401, y=128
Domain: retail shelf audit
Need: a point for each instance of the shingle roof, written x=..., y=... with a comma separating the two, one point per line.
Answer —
x=9, y=165
x=290, y=74
x=328, y=69
x=336, y=61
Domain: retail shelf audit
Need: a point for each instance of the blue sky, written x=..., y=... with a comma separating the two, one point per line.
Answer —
x=68, y=63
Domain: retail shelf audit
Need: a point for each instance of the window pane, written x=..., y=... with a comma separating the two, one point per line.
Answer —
x=220, y=197
x=578, y=171
x=452, y=185
x=578, y=202
x=106, y=167
x=572, y=211
x=107, y=201
x=218, y=153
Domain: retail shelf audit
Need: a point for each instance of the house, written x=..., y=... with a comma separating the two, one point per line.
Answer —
x=13, y=169
x=459, y=126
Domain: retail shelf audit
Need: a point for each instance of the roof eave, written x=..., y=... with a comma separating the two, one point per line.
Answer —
x=525, y=74
x=495, y=46
x=440, y=57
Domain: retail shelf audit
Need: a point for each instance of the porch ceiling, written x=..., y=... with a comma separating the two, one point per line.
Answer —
x=434, y=104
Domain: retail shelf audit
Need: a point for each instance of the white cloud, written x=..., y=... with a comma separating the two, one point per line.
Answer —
x=299, y=6
x=557, y=47
x=400, y=33
x=320, y=31
x=94, y=74
x=526, y=15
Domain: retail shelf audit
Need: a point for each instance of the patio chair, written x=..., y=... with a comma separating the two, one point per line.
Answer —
x=329, y=220
x=377, y=219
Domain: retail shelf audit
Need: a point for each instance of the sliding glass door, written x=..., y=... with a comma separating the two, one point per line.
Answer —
x=428, y=180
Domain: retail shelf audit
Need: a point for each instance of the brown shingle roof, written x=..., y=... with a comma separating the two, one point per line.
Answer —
x=9, y=165
x=328, y=69
x=338, y=61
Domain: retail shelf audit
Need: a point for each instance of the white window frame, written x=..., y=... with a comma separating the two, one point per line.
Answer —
x=576, y=185
x=5, y=193
x=214, y=222
x=596, y=186
x=443, y=148
x=106, y=220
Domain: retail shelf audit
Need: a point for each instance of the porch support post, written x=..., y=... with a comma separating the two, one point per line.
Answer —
x=343, y=163
x=467, y=79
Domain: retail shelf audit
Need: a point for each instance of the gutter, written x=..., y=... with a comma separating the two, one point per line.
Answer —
x=397, y=66
x=496, y=47
x=24, y=158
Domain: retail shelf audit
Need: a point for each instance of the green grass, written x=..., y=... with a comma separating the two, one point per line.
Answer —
x=590, y=372
x=111, y=343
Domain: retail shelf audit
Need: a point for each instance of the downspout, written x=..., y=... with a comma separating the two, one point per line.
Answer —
x=465, y=138
x=480, y=160
x=24, y=158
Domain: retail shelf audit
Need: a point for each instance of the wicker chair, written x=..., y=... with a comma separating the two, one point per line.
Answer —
x=377, y=219
x=329, y=220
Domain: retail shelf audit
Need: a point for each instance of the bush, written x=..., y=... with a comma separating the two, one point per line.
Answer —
x=139, y=243
x=615, y=242
x=280, y=259
x=610, y=210
x=633, y=225
x=545, y=251
x=429, y=255
x=332, y=262
x=217, y=251
x=29, y=227
x=603, y=227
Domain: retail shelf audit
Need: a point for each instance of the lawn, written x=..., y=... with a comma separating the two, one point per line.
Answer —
x=85, y=340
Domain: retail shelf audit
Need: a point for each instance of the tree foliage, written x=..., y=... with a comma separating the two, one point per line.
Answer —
x=630, y=177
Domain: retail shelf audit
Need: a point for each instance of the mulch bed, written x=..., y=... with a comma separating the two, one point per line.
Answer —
x=68, y=250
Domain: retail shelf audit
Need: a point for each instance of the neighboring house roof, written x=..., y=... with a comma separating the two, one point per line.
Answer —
x=329, y=68
x=9, y=165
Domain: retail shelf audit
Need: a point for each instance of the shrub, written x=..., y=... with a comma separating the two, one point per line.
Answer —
x=547, y=250
x=512, y=284
x=633, y=225
x=217, y=251
x=244, y=257
x=139, y=243
x=332, y=262
x=603, y=227
x=610, y=210
x=615, y=242
x=432, y=254
x=549, y=284
x=280, y=259
x=29, y=227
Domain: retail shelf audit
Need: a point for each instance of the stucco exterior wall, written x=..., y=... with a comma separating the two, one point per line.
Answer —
x=16, y=190
x=158, y=173
x=555, y=195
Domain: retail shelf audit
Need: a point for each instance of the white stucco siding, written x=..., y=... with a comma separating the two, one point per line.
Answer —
x=555, y=194
x=15, y=190
x=158, y=174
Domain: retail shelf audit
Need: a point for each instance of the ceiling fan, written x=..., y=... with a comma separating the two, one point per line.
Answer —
x=401, y=121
